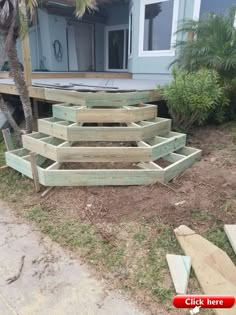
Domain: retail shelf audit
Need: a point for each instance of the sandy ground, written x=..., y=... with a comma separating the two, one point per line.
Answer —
x=52, y=281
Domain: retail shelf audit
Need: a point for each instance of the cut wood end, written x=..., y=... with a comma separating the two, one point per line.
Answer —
x=183, y=230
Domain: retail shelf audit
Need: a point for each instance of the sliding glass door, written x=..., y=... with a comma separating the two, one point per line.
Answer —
x=116, y=48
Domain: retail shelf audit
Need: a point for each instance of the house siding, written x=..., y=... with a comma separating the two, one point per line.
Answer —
x=154, y=67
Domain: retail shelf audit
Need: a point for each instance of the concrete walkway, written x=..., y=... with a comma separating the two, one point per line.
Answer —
x=52, y=281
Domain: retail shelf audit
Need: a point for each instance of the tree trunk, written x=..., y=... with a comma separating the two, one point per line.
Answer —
x=5, y=110
x=18, y=76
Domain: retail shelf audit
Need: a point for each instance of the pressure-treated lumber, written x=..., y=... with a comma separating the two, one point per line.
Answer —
x=54, y=175
x=230, y=230
x=214, y=269
x=133, y=132
x=25, y=44
x=63, y=75
x=191, y=155
x=93, y=115
x=97, y=99
x=8, y=139
x=179, y=267
x=100, y=177
x=165, y=146
x=34, y=171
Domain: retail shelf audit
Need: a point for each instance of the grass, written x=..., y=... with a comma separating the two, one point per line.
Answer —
x=140, y=265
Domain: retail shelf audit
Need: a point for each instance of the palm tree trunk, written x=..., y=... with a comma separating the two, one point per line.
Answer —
x=18, y=76
x=5, y=110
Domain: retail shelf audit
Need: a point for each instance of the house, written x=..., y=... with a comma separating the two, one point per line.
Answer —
x=134, y=36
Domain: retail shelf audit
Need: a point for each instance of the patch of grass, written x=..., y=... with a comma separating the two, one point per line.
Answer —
x=13, y=184
x=217, y=236
x=2, y=151
x=201, y=215
x=142, y=264
x=75, y=234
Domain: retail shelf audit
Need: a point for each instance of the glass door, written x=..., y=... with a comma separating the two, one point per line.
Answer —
x=117, y=48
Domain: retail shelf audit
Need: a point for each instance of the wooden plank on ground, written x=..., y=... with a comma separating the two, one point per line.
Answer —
x=214, y=269
x=180, y=267
x=230, y=231
x=8, y=139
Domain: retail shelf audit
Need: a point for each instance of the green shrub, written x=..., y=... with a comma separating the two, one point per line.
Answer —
x=192, y=97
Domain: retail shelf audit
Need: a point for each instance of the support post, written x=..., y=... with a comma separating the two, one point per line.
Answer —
x=8, y=139
x=34, y=171
x=36, y=108
x=25, y=46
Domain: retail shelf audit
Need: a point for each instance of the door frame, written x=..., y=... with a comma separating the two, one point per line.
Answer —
x=126, y=34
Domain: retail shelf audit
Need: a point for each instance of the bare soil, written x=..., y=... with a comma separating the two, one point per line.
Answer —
x=207, y=186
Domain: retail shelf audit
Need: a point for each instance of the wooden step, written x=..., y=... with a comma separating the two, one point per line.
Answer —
x=82, y=114
x=101, y=98
x=175, y=163
x=132, y=132
x=62, y=151
x=149, y=173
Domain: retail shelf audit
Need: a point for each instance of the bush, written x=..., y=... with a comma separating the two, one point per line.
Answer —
x=192, y=97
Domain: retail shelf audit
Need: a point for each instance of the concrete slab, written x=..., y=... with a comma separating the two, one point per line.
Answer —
x=52, y=281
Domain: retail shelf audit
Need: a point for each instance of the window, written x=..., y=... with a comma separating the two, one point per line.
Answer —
x=130, y=32
x=158, y=23
x=216, y=6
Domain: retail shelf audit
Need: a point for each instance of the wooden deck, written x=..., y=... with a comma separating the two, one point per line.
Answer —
x=102, y=91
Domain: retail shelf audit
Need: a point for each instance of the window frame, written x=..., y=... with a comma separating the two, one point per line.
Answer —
x=156, y=53
x=197, y=9
x=125, y=28
x=130, y=43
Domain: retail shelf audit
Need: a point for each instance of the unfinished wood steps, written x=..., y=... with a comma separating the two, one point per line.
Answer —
x=137, y=147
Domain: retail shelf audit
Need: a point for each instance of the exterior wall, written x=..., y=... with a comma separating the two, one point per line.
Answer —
x=118, y=15
x=153, y=67
x=52, y=28
x=34, y=48
x=99, y=47
x=57, y=27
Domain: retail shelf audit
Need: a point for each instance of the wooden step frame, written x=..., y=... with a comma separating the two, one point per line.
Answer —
x=69, y=131
x=127, y=114
x=60, y=151
x=149, y=173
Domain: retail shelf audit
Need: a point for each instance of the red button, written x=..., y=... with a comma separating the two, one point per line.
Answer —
x=204, y=301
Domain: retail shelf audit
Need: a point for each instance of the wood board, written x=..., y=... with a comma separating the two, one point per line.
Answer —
x=214, y=269
x=180, y=267
x=230, y=231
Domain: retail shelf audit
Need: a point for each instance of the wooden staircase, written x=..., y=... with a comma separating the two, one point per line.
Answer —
x=136, y=146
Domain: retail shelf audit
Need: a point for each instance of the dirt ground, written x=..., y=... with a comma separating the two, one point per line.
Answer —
x=207, y=185
x=138, y=222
